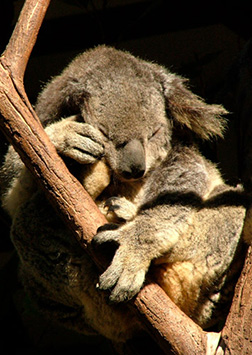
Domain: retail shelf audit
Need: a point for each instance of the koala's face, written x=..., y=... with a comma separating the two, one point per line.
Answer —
x=132, y=118
x=127, y=99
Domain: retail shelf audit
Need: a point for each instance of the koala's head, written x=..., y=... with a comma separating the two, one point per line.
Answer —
x=132, y=118
x=136, y=105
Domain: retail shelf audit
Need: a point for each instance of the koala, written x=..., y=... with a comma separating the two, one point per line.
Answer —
x=128, y=129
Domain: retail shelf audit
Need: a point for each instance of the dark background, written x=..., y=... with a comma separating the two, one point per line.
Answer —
x=200, y=41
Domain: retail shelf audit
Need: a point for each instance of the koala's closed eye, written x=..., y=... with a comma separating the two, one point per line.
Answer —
x=155, y=132
x=121, y=145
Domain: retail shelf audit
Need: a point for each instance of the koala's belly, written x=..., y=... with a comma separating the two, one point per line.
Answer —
x=182, y=282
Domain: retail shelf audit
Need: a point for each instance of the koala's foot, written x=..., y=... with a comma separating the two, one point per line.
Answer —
x=120, y=208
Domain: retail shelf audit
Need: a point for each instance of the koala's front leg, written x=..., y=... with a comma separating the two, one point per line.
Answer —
x=150, y=235
x=77, y=140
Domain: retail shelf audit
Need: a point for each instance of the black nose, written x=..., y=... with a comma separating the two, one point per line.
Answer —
x=132, y=160
x=133, y=173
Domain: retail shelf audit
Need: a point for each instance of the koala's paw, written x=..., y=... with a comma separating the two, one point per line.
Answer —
x=76, y=140
x=126, y=274
x=120, y=208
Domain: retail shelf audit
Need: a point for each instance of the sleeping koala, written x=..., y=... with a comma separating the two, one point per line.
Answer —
x=127, y=129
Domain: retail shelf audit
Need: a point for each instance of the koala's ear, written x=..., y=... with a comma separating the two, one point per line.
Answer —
x=62, y=97
x=191, y=111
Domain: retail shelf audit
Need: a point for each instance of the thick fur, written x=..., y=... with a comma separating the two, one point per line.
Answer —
x=175, y=216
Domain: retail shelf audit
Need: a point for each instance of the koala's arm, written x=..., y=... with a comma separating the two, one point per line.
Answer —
x=76, y=140
x=172, y=199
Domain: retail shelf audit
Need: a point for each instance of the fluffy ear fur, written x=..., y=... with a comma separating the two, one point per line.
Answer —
x=64, y=97
x=191, y=111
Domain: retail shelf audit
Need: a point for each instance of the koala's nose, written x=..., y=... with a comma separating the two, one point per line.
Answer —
x=133, y=172
x=133, y=160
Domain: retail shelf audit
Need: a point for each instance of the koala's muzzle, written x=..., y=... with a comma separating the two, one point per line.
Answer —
x=132, y=160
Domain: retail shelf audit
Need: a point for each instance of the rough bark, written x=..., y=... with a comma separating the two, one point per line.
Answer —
x=174, y=326
x=21, y=126
x=237, y=333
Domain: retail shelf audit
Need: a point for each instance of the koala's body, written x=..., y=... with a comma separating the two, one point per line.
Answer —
x=136, y=124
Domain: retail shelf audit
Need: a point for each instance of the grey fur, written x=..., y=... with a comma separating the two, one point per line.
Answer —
x=174, y=211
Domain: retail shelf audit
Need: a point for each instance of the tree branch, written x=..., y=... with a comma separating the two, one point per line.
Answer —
x=23, y=129
x=236, y=335
x=24, y=37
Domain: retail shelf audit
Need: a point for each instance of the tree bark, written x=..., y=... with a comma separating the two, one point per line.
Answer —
x=237, y=333
x=164, y=320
